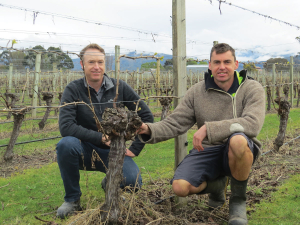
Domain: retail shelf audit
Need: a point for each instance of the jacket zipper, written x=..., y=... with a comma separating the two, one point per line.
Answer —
x=232, y=98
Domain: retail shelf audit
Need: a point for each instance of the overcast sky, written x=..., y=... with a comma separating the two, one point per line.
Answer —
x=141, y=22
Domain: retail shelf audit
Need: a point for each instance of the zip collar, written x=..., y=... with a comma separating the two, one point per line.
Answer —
x=239, y=78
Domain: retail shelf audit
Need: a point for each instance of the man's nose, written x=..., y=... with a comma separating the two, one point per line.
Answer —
x=222, y=66
x=96, y=65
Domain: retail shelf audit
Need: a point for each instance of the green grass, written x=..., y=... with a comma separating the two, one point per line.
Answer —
x=283, y=207
x=40, y=190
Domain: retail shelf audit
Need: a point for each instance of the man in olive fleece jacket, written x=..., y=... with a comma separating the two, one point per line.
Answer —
x=229, y=109
x=81, y=139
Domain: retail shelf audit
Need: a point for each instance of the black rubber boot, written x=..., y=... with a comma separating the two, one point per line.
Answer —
x=217, y=192
x=237, y=203
x=68, y=208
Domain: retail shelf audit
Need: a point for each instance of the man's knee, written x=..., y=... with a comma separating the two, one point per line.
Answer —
x=238, y=147
x=181, y=187
x=66, y=145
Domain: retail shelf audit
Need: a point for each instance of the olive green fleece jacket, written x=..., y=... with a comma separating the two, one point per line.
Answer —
x=222, y=114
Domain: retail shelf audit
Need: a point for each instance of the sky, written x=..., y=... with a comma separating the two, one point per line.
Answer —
x=145, y=26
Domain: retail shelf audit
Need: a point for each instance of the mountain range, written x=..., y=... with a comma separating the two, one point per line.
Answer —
x=130, y=64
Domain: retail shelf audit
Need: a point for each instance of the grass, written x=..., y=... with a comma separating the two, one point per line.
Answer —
x=282, y=208
x=38, y=191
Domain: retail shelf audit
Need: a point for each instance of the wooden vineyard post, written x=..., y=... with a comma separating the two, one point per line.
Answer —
x=292, y=80
x=137, y=79
x=10, y=75
x=54, y=80
x=61, y=80
x=117, y=54
x=273, y=81
x=158, y=78
x=179, y=74
x=36, y=83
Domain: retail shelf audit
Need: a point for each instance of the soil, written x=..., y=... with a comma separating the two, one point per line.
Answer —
x=156, y=201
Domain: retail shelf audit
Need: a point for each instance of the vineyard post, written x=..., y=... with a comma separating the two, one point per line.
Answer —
x=126, y=74
x=27, y=82
x=191, y=77
x=36, y=83
x=198, y=75
x=169, y=75
x=10, y=75
x=158, y=78
x=273, y=81
x=179, y=74
x=137, y=78
x=292, y=80
x=143, y=76
x=61, y=80
x=117, y=54
x=54, y=80
x=68, y=78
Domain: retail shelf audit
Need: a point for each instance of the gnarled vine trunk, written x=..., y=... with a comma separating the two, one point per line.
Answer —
x=18, y=119
x=283, y=112
x=120, y=125
x=47, y=96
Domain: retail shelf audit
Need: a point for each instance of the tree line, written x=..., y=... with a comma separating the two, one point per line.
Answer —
x=25, y=58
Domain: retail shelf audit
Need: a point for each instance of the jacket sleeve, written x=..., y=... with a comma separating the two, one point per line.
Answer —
x=180, y=121
x=130, y=98
x=67, y=118
x=250, y=122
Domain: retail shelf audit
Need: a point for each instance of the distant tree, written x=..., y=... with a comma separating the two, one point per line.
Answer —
x=48, y=58
x=57, y=55
x=29, y=59
x=149, y=65
x=250, y=67
x=281, y=64
x=191, y=61
x=168, y=65
x=14, y=57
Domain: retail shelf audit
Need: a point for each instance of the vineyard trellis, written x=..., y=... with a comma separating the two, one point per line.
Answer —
x=44, y=84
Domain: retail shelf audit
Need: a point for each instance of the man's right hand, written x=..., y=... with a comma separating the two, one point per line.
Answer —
x=105, y=139
x=144, y=129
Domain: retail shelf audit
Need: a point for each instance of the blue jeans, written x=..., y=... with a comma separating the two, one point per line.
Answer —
x=74, y=155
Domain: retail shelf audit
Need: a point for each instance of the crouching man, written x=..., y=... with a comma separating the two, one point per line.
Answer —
x=229, y=109
x=80, y=133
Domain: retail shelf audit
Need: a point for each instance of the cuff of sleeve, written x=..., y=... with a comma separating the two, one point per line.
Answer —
x=208, y=132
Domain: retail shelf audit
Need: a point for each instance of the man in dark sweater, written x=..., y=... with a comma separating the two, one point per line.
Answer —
x=80, y=133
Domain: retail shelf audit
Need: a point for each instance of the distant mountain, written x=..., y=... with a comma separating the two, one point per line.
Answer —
x=128, y=64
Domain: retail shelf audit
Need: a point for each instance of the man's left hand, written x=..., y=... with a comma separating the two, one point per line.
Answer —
x=129, y=153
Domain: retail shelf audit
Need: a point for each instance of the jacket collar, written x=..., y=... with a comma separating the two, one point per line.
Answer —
x=106, y=83
x=239, y=77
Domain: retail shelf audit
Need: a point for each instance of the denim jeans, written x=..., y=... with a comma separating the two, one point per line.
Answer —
x=74, y=155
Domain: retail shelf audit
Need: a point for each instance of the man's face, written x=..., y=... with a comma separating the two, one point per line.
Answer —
x=94, y=65
x=222, y=67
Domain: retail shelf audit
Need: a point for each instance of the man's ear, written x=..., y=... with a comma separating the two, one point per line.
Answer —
x=209, y=65
x=81, y=63
x=236, y=64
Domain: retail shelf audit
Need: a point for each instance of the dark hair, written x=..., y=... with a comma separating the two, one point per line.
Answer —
x=221, y=48
x=94, y=46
